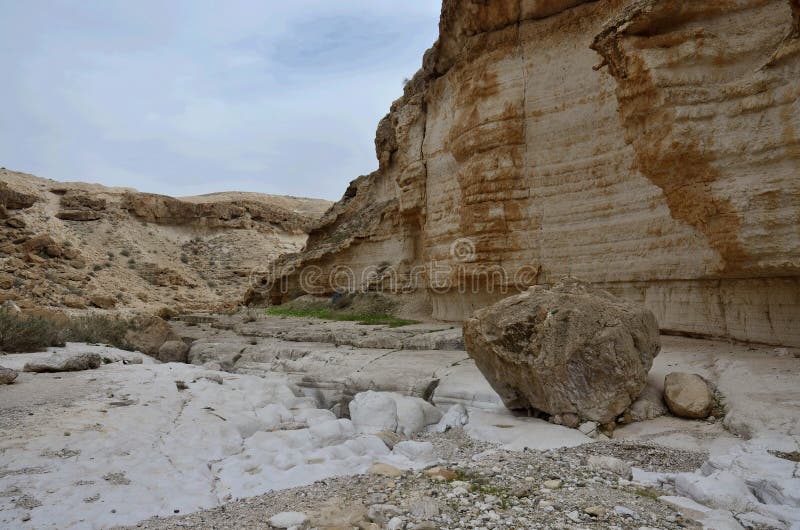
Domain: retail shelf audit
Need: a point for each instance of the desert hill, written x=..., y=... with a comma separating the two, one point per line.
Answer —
x=79, y=244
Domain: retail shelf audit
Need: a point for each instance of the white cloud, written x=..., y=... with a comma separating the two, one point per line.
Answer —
x=195, y=97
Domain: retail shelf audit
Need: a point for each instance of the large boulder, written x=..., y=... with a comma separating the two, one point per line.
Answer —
x=65, y=362
x=571, y=351
x=173, y=351
x=148, y=333
x=688, y=395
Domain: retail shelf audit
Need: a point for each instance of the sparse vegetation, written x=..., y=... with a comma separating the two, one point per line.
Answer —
x=21, y=333
x=327, y=314
x=184, y=258
x=98, y=329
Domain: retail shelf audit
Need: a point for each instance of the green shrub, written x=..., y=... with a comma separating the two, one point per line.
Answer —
x=98, y=329
x=20, y=334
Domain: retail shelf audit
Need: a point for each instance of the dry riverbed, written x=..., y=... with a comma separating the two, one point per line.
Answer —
x=477, y=485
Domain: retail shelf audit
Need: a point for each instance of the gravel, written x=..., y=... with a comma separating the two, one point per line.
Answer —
x=477, y=486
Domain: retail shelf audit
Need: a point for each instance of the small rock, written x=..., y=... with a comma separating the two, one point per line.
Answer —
x=552, y=484
x=624, y=512
x=425, y=509
x=103, y=301
x=440, y=473
x=73, y=301
x=11, y=307
x=595, y=511
x=289, y=520
x=7, y=376
x=381, y=513
x=612, y=464
x=390, y=438
x=688, y=395
x=395, y=523
x=574, y=516
x=456, y=416
x=385, y=470
x=588, y=428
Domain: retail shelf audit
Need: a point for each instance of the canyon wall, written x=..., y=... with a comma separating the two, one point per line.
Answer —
x=651, y=147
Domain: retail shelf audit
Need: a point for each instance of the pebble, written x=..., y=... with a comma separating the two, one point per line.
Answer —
x=552, y=484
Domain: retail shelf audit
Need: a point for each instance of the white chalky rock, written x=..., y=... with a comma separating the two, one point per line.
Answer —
x=613, y=464
x=746, y=479
x=420, y=453
x=374, y=412
x=289, y=520
x=259, y=434
x=456, y=416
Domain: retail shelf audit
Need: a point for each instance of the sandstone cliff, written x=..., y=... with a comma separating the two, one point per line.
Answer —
x=78, y=245
x=651, y=147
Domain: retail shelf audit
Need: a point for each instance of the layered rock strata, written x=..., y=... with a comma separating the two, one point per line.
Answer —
x=650, y=147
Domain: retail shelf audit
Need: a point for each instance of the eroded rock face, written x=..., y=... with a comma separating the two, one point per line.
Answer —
x=573, y=352
x=668, y=175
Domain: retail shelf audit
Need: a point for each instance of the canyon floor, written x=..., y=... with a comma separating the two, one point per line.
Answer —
x=256, y=425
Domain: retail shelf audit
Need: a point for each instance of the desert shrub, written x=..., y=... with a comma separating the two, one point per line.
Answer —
x=167, y=313
x=184, y=258
x=328, y=314
x=97, y=267
x=98, y=329
x=20, y=333
x=125, y=252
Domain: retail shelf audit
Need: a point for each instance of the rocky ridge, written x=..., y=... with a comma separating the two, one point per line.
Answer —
x=649, y=147
x=81, y=245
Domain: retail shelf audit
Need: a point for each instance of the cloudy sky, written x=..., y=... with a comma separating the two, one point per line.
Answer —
x=194, y=96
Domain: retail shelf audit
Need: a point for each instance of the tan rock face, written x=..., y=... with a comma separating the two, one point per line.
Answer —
x=572, y=352
x=648, y=147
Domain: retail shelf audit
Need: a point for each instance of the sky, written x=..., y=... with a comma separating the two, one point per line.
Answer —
x=186, y=97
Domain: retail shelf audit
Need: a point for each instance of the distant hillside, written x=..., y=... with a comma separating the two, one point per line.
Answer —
x=79, y=244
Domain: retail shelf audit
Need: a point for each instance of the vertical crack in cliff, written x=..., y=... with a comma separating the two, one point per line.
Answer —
x=521, y=52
